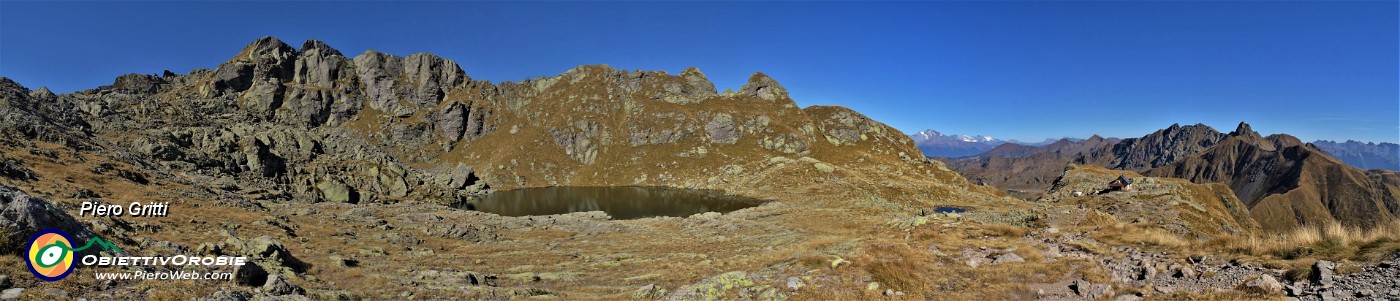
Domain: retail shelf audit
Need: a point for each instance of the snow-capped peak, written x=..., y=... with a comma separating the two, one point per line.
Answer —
x=977, y=138
x=928, y=134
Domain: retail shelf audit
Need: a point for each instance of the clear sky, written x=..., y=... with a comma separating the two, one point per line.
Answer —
x=1018, y=70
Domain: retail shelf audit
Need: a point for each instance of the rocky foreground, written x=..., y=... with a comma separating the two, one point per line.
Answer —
x=334, y=175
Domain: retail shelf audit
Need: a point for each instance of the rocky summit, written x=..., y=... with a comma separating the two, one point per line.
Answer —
x=338, y=178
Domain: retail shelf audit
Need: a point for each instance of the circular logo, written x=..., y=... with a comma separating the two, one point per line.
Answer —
x=50, y=255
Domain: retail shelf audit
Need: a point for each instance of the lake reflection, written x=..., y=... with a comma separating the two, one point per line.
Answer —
x=628, y=202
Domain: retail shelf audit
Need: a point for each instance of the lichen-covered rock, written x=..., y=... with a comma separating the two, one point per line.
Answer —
x=721, y=129
x=277, y=286
x=336, y=191
x=649, y=292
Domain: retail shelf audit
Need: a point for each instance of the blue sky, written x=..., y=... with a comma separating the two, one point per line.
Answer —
x=1019, y=70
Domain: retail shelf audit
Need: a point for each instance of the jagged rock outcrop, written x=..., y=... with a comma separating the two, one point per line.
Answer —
x=261, y=68
x=763, y=87
x=1159, y=148
x=42, y=117
x=135, y=84
x=320, y=126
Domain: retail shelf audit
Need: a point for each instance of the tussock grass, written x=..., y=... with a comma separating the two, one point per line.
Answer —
x=1004, y=230
x=1159, y=237
x=1331, y=240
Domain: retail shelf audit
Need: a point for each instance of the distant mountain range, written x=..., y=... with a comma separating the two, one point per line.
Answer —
x=1367, y=155
x=1284, y=182
x=939, y=145
x=1364, y=155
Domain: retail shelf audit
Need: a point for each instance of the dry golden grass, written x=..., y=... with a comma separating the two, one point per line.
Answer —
x=1158, y=237
x=1331, y=241
x=926, y=266
x=1005, y=230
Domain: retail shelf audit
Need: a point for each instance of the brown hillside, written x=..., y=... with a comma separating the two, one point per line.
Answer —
x=1178, y=206
x=1287, y=184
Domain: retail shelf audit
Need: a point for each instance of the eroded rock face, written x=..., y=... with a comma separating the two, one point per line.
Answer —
x=379, y=73
x=452, y=122
x=402, y=86
x=431, y=77
x=323, y=87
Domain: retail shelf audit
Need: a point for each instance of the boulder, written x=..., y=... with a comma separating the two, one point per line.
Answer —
x=22, y=215
x=1008, y=258
x=794, y=283
x=229, y=295
x=1322, y=272
x=264, y=247
x=277, y=286
x=1089, y=290
x=250, y=275
x=11, y=294
x=649, y=292
x=336, y=191
x=1264, y=285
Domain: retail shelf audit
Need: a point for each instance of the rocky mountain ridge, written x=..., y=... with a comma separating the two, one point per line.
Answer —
x=348, y=163
x=1364, y=155
x=378, y=126
x=1287, y=183
x=1028, y=168
x=1293, y=175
